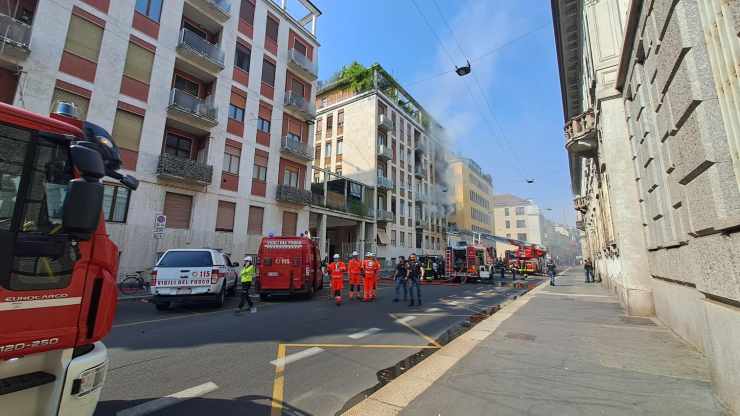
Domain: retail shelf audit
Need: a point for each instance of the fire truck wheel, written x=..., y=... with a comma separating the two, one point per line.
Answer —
x=162, y=306
x=221, y=297
x=311, y=289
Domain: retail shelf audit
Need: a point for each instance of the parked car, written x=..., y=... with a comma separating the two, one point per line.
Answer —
x=193, y=275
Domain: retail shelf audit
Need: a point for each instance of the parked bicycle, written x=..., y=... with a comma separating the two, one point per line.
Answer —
x=134, y=283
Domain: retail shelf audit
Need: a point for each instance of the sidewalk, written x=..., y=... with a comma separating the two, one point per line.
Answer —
x=563, y=350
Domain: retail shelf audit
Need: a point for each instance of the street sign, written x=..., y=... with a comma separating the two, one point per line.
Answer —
x=158, y=234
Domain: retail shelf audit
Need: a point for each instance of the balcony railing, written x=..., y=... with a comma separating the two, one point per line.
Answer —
x=293, y=146
x=184, y=169
x=580, y=224
x=385, y=183
x=420, y=147
x=297, y=103
x=419, y=172
x=293, y=195
x=580, y=134
x=384, y=216
x=580, y=203
x=385, y=122
x=193, y=105
x=191, y=41
x=301, y=62
x=14, y=32
x=385, y=152
x=423, y=197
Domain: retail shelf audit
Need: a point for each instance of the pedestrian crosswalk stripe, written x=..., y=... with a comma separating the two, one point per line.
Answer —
x=405, y=319
x=430, y=310
x=167, y=401
x=365, y=333
x=296, y=356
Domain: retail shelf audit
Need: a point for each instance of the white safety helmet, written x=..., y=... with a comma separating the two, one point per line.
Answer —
x=248, y=258
x=336, y=257
x=355, y=253
x=370, y=254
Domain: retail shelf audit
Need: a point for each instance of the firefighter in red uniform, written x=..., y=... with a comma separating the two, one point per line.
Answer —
x=355, y=271
x=337, y=268
x=371, y=268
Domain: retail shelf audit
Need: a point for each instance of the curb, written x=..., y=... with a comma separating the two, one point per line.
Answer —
x=393, y=397
x=134, y=298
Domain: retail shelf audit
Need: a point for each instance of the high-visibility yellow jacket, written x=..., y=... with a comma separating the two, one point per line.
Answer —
x=248, y=273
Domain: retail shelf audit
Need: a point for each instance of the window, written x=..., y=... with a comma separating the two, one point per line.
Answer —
x=242, y=57
x=338, y=170
x=139, y=62
x=186, y=85
x=254, y=223
x=319, y=126
x=290, y=177
x=115, y=202
x=225, y=216
x=298, y=89
x=259, y=172
x=521, y=224
x=521, y=237
x=271, y=31
x=402, y=239
x=317, y=152
x=329, y=125
x=300, y=47
x=382, y=109
x=127, y=130
x=506, y=211
x=178, y=146
x=81, y=102
x=508, y=224
x=236, y=113
x=197, y=30
x=84, y=38
x=340, y=122
x=232, y=157
x=263, y=125
x=246, y=11
x=327, y=150
x=519, y=210
x=393, y=238
x=268, y=72
x=150, y=8
x=177, y=208
x=339, y=146
x=382, y=139
x=508, y=235
x=290, y=223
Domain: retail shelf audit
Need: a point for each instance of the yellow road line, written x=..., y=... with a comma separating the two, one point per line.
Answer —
x=278, y=386
x=416, y=331
x=383, y=346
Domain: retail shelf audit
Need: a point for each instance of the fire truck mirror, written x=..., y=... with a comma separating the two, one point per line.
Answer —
x=88, y=161
x=82, y=208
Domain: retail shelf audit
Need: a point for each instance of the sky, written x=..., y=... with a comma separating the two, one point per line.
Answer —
x=506, y=115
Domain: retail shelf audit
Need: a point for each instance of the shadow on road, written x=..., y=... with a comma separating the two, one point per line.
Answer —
x=252, y=405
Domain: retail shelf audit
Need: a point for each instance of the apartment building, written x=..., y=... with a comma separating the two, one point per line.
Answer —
x=369, y=129
x=210, y=101
x=471, y=193
x=518, y=218
x=651, y=129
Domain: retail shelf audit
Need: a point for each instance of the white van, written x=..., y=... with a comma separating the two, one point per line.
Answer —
x=193, y=275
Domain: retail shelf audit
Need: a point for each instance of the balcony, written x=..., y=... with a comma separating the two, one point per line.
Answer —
x=385, y=183
x=419, y=173
x=192, y=113
x=580, y=224
x=300, y=63
x=423, y=198
x=199, y=53
x=385, y=152
x=185, y=170
x=217, y=10
x=580, y=203
x=291, y=146
x=15, y=36
x=384, y=216
x=580, y=135
x=298, y=106
x=293, y=195
x=385, y=122
x=418, y=224
x=420, y=147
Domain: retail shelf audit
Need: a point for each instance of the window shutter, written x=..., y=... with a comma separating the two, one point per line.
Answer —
x=238, y=99
x=225, y=216
x=139, y=62
x=84, y=38
x=268, y=72
x=265, y=111
x=255, y=220
x=177, y=208
x=232, y=150
x=260, y=160
x=127, y=130
x=290, y=222
x=81, y=102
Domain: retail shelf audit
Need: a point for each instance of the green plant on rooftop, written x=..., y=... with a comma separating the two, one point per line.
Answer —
x=355, y=75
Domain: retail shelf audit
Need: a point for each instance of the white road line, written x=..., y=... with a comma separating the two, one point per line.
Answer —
x=405, y=319
x=364, y=333
x=578, y=295
x=159, y=404
x=431, y=310
x=296, y=356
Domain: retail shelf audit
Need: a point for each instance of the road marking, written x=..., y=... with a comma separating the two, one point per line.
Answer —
x=167, y=401
x=278, y=386
x=282, y=362
x=365, y=333
x=405, y=322
x=430, y=310
x=378, y=346
x=578, y=295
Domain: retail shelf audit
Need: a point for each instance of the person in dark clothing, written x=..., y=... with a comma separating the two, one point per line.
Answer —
x=400, y=278
x=414, y=274
x=588, y=268
x=500, y=267
x=550, y=265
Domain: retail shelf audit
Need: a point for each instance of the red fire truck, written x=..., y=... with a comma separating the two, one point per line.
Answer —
x=288, y=265
x=529, y=259
x=57, y=265
x=469, y=262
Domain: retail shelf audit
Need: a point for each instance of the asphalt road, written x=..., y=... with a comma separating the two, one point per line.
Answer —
x=199, y=360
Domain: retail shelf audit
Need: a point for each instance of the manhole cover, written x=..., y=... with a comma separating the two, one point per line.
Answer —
x=520, y=336
x=634, y=320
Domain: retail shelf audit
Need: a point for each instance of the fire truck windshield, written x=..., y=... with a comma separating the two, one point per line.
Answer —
x=34, y=177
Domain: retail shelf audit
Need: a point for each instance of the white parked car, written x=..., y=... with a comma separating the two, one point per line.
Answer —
x=193, y=275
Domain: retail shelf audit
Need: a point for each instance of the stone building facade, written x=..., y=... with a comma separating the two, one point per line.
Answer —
x=653, y=138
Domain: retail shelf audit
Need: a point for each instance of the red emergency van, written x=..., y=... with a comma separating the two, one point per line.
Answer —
x=288, y=265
